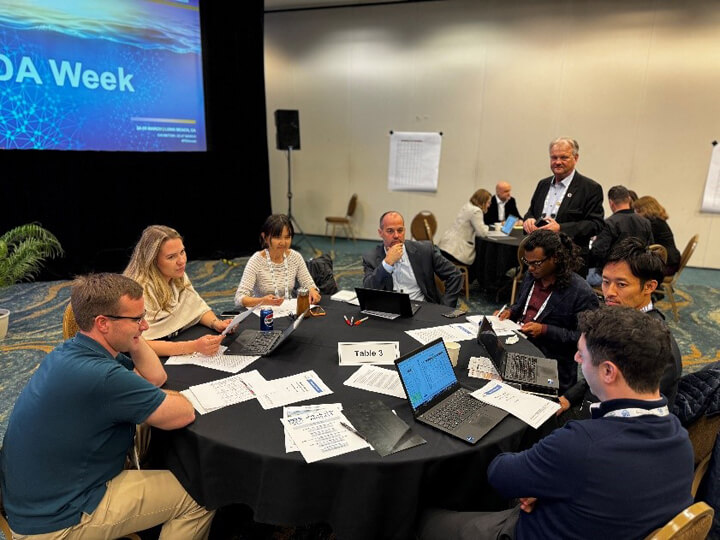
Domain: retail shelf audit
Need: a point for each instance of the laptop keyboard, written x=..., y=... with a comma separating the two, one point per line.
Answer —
x=453, y=411
x=383, y=314
x=262, y=342
x=520, y=367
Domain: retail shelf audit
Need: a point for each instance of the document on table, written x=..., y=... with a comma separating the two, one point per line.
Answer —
x=321, y=435
x=480, y=367
x=449, y=332
x=368, y=352
x=231, y=363
x=533, y=410
x=290, y=412
x=288, y=307
x=292, y=389
x=377, y=379
x=346, y=296
x=214, y=395
x=502, y=328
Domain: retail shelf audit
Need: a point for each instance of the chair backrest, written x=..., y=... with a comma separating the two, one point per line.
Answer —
x=659, y=250
x=352, y=205
x=687, y=253
x=70, y=327
x=423, y=226
x=693, y=523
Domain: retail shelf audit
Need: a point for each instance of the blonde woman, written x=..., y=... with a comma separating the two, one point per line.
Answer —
x=171, y=303
x=649, y=207
x=458, y=242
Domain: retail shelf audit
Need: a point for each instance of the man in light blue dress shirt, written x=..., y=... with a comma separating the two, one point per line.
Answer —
x=408, y=266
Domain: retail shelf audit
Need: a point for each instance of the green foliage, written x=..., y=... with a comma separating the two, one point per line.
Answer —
x=23, y=250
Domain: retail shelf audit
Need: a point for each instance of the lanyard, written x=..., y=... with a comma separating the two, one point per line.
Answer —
x=637, y=411
x=527, y=302
x=272, y=273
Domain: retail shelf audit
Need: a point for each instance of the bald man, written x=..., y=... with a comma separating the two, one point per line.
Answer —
x=502, y=205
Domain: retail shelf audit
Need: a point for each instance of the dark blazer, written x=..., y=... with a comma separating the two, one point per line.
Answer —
x=426, y=261
x=581, y=212
x=560, y=315
x=622, y=224
x=491, y=216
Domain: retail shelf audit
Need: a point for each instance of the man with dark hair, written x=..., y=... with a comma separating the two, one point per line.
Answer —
x=502, y=205
x=550, y=297
x=73, y=424
x=622, y=474
x=630, y=276
x=403, y=265
x=623, y=223
x=567, y=201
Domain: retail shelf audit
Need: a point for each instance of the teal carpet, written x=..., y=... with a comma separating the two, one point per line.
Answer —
x=37, y=310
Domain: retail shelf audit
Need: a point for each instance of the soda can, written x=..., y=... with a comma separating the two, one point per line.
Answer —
x=266, y=319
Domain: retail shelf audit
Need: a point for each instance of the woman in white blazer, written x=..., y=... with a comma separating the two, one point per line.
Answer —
x=458, y=242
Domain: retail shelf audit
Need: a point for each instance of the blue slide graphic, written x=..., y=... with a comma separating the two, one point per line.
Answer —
x=121, y=75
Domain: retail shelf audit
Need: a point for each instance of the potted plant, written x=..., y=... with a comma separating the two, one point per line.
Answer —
x=22, y=252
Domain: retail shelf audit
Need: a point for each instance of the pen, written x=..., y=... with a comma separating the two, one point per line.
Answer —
x=352, y=320
x=352, y=430
x=361, y=321
x=502, y=309
x=346, y=320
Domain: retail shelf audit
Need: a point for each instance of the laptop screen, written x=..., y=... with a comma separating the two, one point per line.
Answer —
x=509, y=224
x=488, y=339
x=426, y=373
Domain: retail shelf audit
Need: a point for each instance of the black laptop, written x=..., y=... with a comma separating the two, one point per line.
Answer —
x=386, y=304
x=259, y=343
x=438, y=400
x=534, y=373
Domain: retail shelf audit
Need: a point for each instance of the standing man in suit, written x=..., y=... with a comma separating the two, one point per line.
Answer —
x=408, y=266
x=502, y=205
x=567, y=201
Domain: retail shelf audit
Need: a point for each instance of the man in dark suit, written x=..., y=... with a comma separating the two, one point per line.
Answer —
x=567, y=201
x=502, y=205
x=408, y=266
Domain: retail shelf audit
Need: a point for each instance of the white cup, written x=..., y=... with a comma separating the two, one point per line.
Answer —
x=498, y=225
x=453, y=350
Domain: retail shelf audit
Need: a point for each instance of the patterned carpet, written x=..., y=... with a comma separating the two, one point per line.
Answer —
x=37, y=310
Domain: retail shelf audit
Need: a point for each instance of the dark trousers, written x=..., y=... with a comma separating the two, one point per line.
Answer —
x=438, y=524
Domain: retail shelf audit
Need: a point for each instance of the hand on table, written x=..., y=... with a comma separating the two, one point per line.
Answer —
x=207, y=345
x=532, y=329
x=502, y=315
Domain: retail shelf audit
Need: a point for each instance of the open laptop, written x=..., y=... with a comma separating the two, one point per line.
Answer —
x=259, y=343
x=386, y=304
x=229, y=333
x=507, y=227
x=534, y=373
x=438, y=400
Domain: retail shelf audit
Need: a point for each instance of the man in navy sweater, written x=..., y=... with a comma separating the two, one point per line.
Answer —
x=621, y=474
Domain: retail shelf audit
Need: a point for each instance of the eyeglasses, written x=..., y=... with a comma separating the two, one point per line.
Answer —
x=137, y=320
x=534, y=264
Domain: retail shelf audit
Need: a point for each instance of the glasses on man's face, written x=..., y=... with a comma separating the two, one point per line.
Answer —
x=534, y=264
x=136, y=320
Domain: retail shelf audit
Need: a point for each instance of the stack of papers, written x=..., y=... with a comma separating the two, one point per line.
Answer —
x=231, y=363
x=377, y=379
x=533, y=410
x=480, y=367
x=449, y=332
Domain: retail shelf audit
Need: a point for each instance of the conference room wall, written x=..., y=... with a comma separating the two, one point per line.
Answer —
x=635, y=83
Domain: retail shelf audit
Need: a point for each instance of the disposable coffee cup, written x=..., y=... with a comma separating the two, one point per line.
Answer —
x=498, y=225
x=453, y=350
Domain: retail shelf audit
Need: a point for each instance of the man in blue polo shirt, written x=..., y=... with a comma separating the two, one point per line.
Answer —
x=64, y=449
x=621, y=474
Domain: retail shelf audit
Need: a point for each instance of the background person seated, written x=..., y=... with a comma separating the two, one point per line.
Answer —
x=630, y=276
x=408, y=266
x=173, y=305
x=502, y=205
x=622, y=474
x=271, y=273
x=650, y=208
x=457, y=244
x=550, y=298
x=623, y=223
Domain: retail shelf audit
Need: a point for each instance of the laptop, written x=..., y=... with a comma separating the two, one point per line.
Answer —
x=534, y=373
x=386, y=304
x=259, y=343
x=438, y=400
x=507, y=227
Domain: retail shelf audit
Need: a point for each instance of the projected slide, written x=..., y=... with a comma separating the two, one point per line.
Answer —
x=101, y=75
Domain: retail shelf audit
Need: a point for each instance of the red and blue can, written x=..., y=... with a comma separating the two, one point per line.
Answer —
x=266, y=319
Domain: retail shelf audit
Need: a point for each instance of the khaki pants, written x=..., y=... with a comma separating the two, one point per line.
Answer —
x=135, y=501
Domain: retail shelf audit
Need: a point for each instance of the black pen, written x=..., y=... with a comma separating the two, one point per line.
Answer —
x=353, y=430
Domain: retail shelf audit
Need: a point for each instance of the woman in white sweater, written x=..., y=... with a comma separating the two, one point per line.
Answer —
x=458, y=242
x=271, y=273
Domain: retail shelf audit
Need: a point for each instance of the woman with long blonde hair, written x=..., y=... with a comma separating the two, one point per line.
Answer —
x=171, y=303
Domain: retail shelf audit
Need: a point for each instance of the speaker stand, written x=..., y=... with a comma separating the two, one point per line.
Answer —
x=292, y=219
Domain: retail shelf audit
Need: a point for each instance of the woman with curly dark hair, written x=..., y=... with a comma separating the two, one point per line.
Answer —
x=550, y=298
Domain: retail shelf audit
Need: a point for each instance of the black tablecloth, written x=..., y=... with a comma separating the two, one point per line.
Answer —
x=237, y=454
x=494, y=256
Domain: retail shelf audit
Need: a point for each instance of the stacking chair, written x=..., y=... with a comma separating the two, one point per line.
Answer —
x=693, y=523
x=424, y=226
x=703, y=433
x=343, y=221
x=670, y=282
x=70, y=327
